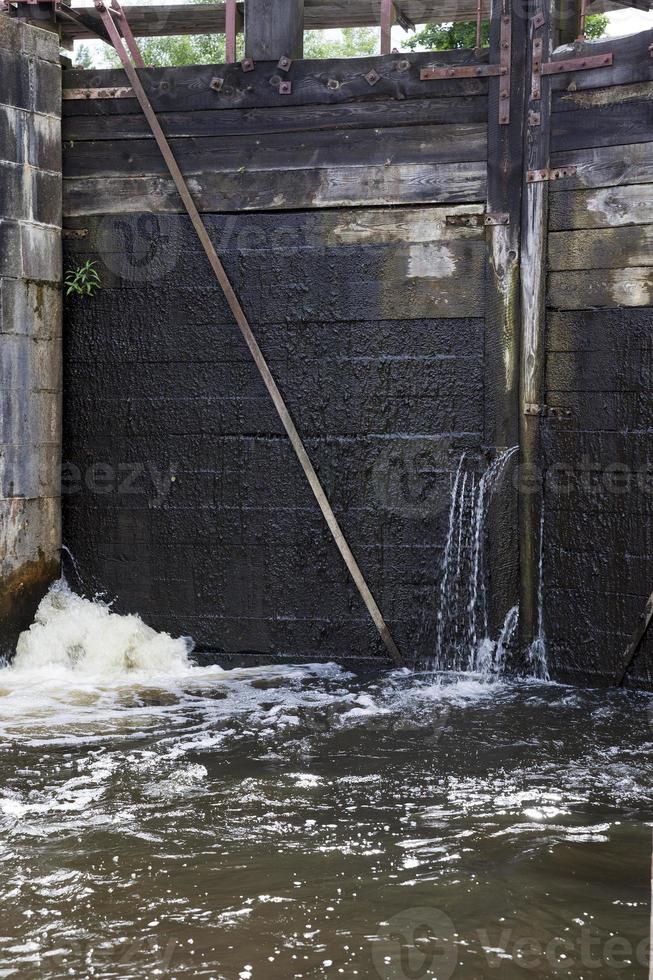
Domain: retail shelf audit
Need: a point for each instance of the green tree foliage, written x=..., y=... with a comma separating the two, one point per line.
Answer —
x=352, y=42
x=445, y=37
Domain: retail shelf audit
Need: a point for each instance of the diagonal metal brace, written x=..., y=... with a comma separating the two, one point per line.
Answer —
x=112, y=16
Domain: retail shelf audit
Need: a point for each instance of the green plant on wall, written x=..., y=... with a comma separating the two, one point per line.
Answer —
x=82, y=281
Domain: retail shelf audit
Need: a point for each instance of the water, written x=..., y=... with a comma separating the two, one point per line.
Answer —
x=163, y=819
x=462, y=640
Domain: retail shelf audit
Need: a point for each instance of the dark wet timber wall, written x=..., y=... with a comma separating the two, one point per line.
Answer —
x=599, y=372
x=394, y=335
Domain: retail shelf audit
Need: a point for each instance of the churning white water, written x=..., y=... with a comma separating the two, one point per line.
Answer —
x=70, y=633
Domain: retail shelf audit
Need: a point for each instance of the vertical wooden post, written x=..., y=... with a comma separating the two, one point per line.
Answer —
x=230, y=30
x=533, y=290
x=387, y=20
x=274, y=28
x=502, y=331
x=567, y=20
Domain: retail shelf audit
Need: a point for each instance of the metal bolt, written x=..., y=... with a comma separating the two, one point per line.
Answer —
x=372, y=77
x=285, y=88
x=247, y=64
x=284, y=63
x=333, y=84
x=216, y=84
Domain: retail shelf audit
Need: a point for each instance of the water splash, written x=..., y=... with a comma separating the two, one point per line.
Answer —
x=73, y=634
x=462, y=636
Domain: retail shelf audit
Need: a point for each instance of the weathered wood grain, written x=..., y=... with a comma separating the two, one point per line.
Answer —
x=608, y=248
x=601, y=207
x=277, y=152
x=282, y=190
x=326, y=82
x=632, y=63
x=571, y=99
x=274, y=28
x=247, y=122
x=600, y=289
x=606, y=166
x=605, y=125
x=533, y=325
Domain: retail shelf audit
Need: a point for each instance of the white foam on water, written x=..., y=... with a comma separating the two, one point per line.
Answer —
x=73, y=634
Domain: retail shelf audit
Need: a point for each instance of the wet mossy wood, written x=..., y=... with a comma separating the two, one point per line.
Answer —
x=604, y=248
x=614, y=206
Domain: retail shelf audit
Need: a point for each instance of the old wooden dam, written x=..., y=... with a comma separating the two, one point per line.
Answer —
x=442, y=255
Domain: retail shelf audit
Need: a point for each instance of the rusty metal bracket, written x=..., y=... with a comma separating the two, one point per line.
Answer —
x=505, y=61
x=577, y=64
x=477, y=220
x=536, y=70
x=98, y=93
x=502, y=71
x=123, y=50
x=461, y=71
x=555, y=173
x=547, y=411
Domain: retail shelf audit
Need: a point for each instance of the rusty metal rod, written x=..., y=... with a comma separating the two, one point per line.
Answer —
x=636, y=639
x=584, y=7
x=479, y=20
x=230, y=31
x=246, y=331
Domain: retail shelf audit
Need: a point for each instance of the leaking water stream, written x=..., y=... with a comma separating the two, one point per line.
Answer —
x=162, y=819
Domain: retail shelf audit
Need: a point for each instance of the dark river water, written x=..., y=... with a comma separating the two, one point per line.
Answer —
x=159, y=819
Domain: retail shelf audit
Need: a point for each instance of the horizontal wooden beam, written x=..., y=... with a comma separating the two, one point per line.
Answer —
x=175, y=19
x=155, y=20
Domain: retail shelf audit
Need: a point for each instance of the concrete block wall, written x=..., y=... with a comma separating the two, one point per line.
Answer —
x=30, y=321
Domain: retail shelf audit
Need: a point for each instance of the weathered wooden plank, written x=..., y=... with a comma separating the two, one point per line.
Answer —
x=279, y=190
x=601, y=207
x=156, y=20
x=274, y=28
x=126, y=236
x=632, y=63
x=605, y=166
x=533, y=321
x=570, y=100
x=605, y=125
x=247, y=122
x=607, y=248
x=273, y=152
x=606, y=330
x=502, y=332
x=326, y=82
x=601, y=289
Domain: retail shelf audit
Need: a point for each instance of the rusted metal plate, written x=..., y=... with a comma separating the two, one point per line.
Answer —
x=557, y=173
x=479, y=220
x=536, y=72
x=505, y=60
x=577, y=64
x=98, y=93
x=462, y=71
